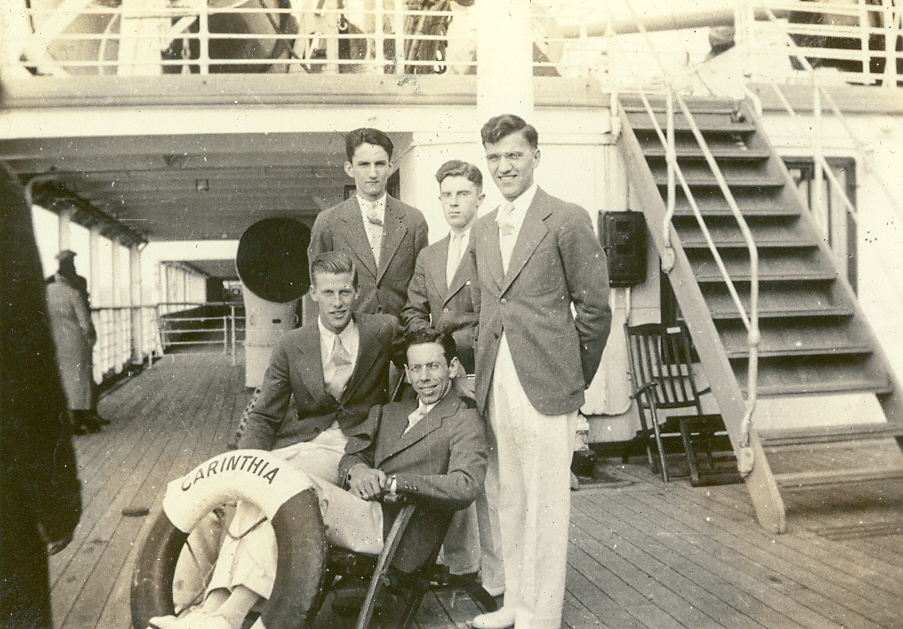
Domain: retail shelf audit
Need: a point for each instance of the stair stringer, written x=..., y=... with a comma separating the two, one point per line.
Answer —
x=763, y=490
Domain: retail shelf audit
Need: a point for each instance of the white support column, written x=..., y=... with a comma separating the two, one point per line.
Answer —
x=65, y=220
x=116, y=296
x=504, y=59
x=94, y=265
x=141, y=37
x=136, y=291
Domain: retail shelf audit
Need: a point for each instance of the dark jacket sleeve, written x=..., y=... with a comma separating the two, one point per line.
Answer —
x=38, y=461
x=416, y=312
x=359, y=448
x=268, y=414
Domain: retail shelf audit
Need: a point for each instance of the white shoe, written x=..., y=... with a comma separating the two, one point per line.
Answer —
x=163, y=622
x=502, y=618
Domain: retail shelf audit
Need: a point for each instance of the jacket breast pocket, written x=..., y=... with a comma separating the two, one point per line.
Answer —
x=543, y=273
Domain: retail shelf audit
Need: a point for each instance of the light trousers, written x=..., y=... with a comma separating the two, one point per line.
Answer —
x=534, y=453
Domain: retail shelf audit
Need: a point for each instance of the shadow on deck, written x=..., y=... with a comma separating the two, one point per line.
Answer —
x=643, y=554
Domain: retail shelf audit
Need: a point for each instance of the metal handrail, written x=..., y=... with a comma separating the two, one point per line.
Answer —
x=750, y=320
x=819, y=92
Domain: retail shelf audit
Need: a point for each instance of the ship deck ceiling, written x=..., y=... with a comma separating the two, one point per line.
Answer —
x=643, y=554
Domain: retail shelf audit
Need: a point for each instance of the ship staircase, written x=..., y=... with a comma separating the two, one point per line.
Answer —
x=828, y=409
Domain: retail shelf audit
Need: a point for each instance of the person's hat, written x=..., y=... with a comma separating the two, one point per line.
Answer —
x=65, y=254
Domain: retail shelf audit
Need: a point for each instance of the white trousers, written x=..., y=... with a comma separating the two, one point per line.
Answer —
x=534, y=501
x=318, y=458
x=249, y=552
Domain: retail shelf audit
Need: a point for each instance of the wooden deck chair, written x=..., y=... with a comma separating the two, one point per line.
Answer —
x=410, y=587
x=663, y=380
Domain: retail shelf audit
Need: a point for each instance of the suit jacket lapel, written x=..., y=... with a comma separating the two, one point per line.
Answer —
x=492, y=250
x=394, y=231
x=356, y=236
x=458, y=281
x=433, y=420
x=311, y=363
x=367, y=351
x=435, y=266
x=531, y=234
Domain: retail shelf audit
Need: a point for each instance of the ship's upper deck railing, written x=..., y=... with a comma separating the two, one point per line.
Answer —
x=859, y=40
x=150, y=37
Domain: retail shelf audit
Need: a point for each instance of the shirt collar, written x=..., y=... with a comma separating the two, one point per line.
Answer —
x=465, y=235
x=328, y=336
x=379, y=203
x=521, y=204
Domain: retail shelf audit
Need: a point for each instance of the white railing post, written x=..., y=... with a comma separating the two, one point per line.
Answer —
x=204, y=38
x=232, y=317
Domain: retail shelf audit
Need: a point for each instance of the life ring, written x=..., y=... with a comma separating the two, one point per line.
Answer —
x=282, y=493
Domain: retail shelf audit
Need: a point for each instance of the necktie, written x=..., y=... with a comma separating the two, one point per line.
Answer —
x=506, y=220
x=375, y=229
x=340, y=368
x=507, y=233
x=454, y=257
x=419, y=413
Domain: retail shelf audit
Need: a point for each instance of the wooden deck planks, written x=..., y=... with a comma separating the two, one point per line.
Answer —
x=643, y=554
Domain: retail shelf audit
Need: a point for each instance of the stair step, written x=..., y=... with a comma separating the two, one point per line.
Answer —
x=708, y=123
x=783, y=338
x=802, y=375
x=763, y=202
x=722, y=151
x=822, y=478
x=729, y=235
x=834, y=455
x=745, y=179
x=634, y=103
x=775, y=265
x=793, y=437
x=778, y=300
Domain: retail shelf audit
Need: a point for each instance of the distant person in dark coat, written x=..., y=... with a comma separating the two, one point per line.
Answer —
x=40, y=500
x=74, y=335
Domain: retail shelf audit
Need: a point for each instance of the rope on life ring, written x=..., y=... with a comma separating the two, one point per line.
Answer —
x=283, y=494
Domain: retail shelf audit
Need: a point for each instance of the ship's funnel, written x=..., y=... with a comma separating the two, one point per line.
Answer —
x=272, y=264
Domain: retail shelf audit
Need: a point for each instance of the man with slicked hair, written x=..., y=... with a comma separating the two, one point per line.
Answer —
x=381, y=234
x=544, y=321
x=441, y=295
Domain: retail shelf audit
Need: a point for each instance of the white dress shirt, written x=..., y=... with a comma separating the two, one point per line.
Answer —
x=457, y=246
x=516, y=220
x=350, y=341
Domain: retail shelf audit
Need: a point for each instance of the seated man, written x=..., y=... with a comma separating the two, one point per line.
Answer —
x=433, y=448
x=336, y=369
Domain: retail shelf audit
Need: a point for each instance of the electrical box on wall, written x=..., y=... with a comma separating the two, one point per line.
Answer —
x=623, y=236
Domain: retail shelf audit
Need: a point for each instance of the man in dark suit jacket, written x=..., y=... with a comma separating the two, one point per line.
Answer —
x=331, y=402
x=433, y=448
x=441, y=294
x=382, y=234
x=544, y=320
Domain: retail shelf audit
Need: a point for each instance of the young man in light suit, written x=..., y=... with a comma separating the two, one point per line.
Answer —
x=441, y=295
x=544, y=320
x=433, y=448
x=382, y=234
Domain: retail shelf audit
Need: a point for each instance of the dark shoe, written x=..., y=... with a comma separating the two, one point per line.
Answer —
x=348, y=601
x=97, y=419
x=92, y=426
x=464, y=581
x=484, y=600
x=78, y=429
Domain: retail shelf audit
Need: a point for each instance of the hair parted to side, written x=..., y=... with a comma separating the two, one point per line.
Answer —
x=426, y=335
x=366, y=135
x=458, y=168
x=334, y=262
x=502, y=126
